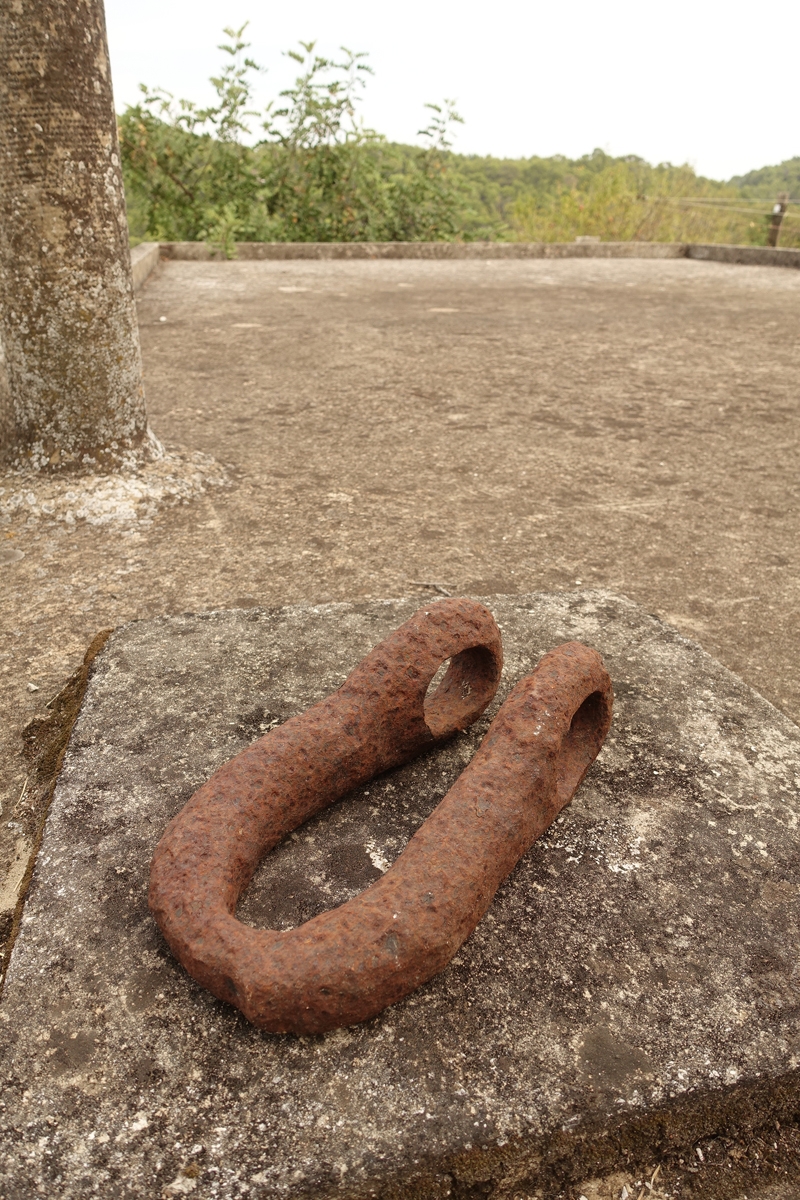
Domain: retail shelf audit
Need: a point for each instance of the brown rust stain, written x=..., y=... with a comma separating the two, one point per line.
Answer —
x=346, y=965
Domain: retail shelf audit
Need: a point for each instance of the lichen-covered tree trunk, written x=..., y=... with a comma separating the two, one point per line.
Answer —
x=74, y=398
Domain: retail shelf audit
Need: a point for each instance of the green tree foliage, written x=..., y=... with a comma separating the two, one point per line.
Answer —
x=317, y=174
x=623, y=200
x=558, y=199
x=628, y=200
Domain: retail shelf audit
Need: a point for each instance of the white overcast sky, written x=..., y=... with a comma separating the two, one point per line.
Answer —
x=710, y=82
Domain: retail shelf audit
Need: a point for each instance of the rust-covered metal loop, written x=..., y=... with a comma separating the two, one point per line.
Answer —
x=347, y=964
x=380, y=717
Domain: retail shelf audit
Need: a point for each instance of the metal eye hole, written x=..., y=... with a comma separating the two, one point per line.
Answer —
x=458, y=691
x=582, y=742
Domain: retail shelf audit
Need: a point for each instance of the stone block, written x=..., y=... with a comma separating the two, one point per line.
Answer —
x=632, y=988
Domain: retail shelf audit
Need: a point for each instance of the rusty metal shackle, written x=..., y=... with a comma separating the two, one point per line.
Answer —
x=378, y=719
x=347, y=964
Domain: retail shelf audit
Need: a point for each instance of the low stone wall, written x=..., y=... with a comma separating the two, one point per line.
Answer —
x=329, y=251
x=760, y=255
x=144, y=259
x=146, y=256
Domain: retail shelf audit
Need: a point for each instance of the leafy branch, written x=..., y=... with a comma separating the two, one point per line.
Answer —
x=317, y=174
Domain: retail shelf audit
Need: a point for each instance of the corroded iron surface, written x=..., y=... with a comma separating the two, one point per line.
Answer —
x=345, y=965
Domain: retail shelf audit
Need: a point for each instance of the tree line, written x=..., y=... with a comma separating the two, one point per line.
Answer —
x=317, y=174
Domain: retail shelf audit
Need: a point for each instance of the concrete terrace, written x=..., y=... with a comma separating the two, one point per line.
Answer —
x=369, y=429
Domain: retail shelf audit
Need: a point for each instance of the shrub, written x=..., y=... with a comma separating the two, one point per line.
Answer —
x=316, y=175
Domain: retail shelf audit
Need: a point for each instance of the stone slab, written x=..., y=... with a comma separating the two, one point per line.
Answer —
x=633, y=987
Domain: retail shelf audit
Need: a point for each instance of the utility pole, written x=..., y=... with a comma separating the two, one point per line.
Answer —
x=777, y=217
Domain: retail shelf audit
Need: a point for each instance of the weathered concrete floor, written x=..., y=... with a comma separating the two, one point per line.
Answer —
x=631, y=997
x=499, y=426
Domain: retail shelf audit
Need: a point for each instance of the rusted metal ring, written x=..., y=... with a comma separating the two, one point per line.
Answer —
x=345, y=965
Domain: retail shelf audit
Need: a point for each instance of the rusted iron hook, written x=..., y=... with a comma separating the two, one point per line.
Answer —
x=345, y=965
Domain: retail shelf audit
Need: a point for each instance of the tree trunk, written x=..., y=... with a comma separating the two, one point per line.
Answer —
x=74, y=394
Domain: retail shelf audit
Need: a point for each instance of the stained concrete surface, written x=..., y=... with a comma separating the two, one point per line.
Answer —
x=500, y=426
x=630, y=998
x=493, y=426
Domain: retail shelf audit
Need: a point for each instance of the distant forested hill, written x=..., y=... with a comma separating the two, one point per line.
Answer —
x=540, y=197
x=768, y=181
x=618, y=199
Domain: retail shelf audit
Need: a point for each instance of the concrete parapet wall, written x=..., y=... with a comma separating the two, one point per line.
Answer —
x=756, y=255
x=760, y=256
x=144, y=258
x=199, y=251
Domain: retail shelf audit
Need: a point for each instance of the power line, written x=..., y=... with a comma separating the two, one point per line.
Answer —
x=730, y=200
x=748, y=212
